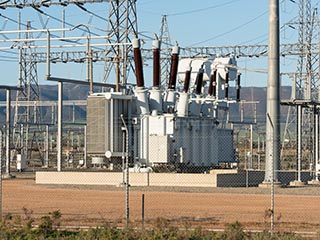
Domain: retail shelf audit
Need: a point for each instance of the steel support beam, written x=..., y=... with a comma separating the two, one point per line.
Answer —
x=196, y=52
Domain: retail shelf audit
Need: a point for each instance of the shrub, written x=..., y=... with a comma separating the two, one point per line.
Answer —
x=21, y=228
x=234, y=231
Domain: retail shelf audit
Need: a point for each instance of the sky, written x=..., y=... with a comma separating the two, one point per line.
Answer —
x=190, y=23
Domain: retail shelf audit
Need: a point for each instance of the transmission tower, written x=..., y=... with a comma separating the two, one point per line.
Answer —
x=122, y=27
x=305, y=81
x=165, y=40
x=26, y=117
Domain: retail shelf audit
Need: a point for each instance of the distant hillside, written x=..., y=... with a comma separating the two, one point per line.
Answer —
x=260, y=94
x=80, y=92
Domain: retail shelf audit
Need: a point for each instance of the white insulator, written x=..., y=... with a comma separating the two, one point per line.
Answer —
x=21, y=162
x=175, y=49
x=156, y=44
x=156, y=100
x=142, y=101
x=135, y=43
x=181, y=153
x=170, y=101
x=154, y=113
x=182, y=105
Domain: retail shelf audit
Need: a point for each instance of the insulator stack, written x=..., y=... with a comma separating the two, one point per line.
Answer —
x=199, y=81
x=138, y=62
x=187, y=80
x=174, y=68
x=226, y=86
x=238, y=86
x=156, y=63
x=212, y=91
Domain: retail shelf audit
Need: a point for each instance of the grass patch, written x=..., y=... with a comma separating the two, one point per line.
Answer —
x=49, y=227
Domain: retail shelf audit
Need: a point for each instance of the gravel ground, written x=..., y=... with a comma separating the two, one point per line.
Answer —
x=312, y=190
x=295, y=208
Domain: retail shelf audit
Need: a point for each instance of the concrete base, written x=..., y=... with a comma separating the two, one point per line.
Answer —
x=136, y=179
x=224, y=171
x=122, y=185
x=314, y=182
x=218, y=179
x=297, y=183
x=268, y=185
x=7, y=176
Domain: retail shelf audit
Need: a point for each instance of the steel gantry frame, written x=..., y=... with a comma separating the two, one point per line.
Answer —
x=166, y=45
x=25, y=115
x=122, y=27
x=305, y=92
x=196, y=52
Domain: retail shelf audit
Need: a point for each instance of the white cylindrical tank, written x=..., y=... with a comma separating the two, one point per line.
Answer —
x=170, y=101
x=195, y=65
x=156, y=100
x=143, y=140
x=226, y=64
x=182, y=105
x=142, y=101
x=21, y=163
x=97, y=160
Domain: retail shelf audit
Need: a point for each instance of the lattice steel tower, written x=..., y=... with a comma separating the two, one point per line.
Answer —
x=26, y=115
x=122, y=27
x=165, y=39
x=305, y=81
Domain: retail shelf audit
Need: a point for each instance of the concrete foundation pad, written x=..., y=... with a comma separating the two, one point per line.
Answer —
x=314, y=182
x=224, y=171
x=223, y=179
x=136, y=179
x=122, y=185
x=8, y=176
x=297, y=183
x=268, y=185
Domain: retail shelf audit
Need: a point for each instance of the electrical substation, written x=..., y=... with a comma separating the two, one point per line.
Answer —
x=181, y=124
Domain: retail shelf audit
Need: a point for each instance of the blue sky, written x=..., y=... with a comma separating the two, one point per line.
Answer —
x=194, y=22
x=191, y=23
x=224, y=23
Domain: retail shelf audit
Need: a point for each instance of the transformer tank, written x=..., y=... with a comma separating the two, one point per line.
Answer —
x=165, y=126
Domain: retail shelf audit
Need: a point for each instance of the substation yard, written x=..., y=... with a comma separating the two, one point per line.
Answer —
x=296, y=209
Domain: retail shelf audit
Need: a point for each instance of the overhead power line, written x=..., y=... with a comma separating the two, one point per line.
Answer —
x=202, y=9
x=46, y=3
x=232, y=30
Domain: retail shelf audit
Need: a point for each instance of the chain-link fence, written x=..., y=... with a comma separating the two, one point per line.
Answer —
x=197, y=175
x=176, y=202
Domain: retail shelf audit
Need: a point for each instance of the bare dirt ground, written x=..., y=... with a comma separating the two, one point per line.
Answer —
x=295, y=209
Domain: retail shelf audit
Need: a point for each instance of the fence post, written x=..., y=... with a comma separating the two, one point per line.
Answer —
x=142, y=211
x=272, y=176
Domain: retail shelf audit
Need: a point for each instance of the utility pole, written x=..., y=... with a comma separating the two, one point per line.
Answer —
x=273, y=99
